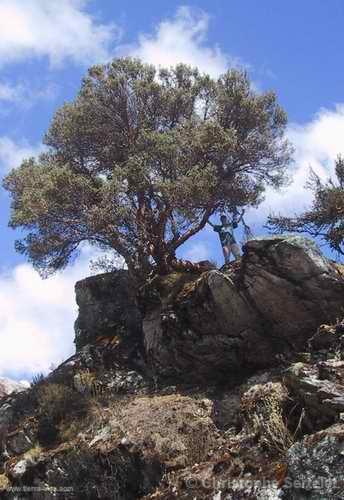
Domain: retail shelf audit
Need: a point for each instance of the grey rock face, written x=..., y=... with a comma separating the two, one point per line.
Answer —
x=19, y=443
x=223, y=322
x=292, y=286
x=213, y=325
x=316, y=466
x=6, y=415
x=319, y=389
x=106, y=307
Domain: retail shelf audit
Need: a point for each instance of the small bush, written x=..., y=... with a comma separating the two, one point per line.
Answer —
x=47, y=431
x=270, y=425
x=37, y=379
x=4, y=483
x=263, y=410
x=25, y=402
x=56, y=402
x=86, y=382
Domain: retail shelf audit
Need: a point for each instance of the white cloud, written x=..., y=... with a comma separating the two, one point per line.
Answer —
x=56, y=29
x=182, y=39
x=197, y=251
x=37, y=316
x=11, y=93
x=24, y=95
x=36, y=319
x=317, y=144
x=12, y=153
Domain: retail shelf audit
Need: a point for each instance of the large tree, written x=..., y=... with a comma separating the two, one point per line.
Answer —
x=141, y=159
x=325, y=217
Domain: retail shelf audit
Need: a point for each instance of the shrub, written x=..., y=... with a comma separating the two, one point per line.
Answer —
x=263, y=410
x=37, y=379
x=270, y=425
x=86, y=382
x=4, y=483
x=56, y=402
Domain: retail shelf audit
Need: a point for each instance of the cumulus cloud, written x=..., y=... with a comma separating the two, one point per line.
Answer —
x=182, y=39
x=56, y=29
x=317, y=144
x=37, y=316
x=36, y=319
x=197, y=251
x=25, y=95
x=12, y=153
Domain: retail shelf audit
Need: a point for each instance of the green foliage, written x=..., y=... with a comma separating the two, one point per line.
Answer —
x=325, y=218
x=141, y=159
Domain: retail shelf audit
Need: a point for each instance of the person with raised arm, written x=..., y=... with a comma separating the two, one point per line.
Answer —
x=225, y=231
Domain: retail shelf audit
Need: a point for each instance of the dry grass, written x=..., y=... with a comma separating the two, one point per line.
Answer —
x=271, y=427
x=4, y=482
x=262, y=407
x=33, y=452
x=86, y=382
x=57, y=402
x=177, y=429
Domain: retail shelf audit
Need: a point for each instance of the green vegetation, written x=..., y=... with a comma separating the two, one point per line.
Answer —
x=141, y=159
x=325, y=218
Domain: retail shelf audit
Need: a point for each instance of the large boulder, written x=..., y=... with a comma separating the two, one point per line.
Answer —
x=216, y=324
x=291, y=285
x=243, y=318
x=107, y=307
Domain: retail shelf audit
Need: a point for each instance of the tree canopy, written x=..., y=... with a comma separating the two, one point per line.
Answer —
x=325, y=218
x=141, y=159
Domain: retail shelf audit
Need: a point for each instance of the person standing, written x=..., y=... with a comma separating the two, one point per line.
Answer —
x=225, y=231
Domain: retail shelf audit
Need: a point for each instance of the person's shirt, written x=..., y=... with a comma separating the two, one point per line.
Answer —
x=226, y=233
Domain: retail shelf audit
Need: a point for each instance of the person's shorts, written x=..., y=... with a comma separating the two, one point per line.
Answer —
x=228, y=242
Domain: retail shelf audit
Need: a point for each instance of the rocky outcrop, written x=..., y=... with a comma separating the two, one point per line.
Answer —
x=107, y=307
x=263, y=439
x=215, y=324
x=214, y=385
x=314, y=389
x=245, y=317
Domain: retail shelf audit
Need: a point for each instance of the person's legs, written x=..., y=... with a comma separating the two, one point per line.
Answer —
x=226, y=253
x=235, y=249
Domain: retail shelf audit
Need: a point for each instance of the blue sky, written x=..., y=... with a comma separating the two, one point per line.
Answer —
x=45, y=48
